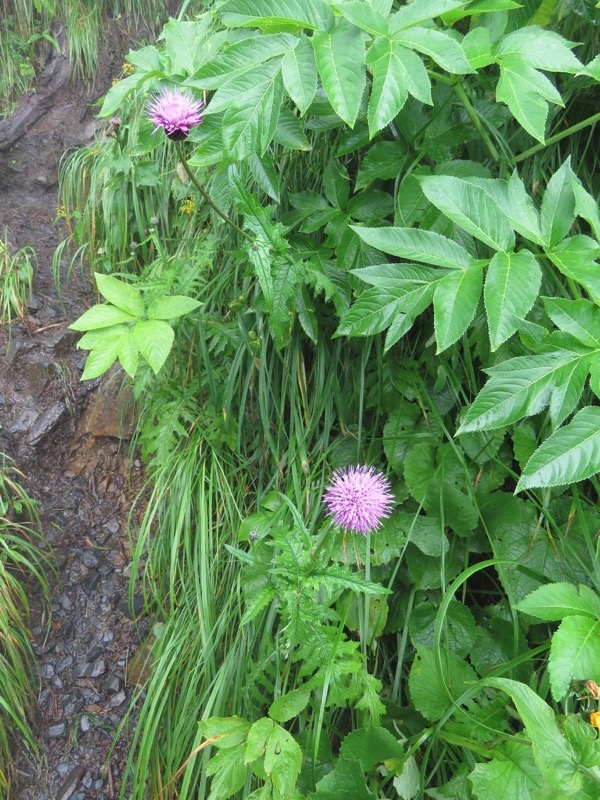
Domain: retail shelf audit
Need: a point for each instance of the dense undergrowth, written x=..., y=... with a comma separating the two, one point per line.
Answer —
x=402, y=273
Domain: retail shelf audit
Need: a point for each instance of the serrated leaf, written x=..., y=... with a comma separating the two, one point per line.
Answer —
x=511, y=774
x=421, y=11
x=454, y=304
x=417, y=245
x=100, y=316
x=433, y=692
x=511, y=288
x=568, y=390
x=184, y=44
x=172, y=306
x=129, y=354
x=471, y=208
x=377, y=308
x=517, y=388
x=283, y=760
x=340, y=56
x=289, y=131
x=237, y=91
x=558, y=206
x=240, y=57
x=336, y=184
x=580, y=318
x=554, y=601
x=269, y=14
x=383, y=160
x=526, y=105
x=104, y=353
x=575, y=258
x=570, y=454
x=540, y=48
x=225, y=732
x=586, y=207
x=154, y=339
x=299, y=72
x=250, y=124
x=436, y=44
x=574, y=654
x=256, y=741
x=289, y=705
x=477, y=48
x=364, y=16
x=120, y=294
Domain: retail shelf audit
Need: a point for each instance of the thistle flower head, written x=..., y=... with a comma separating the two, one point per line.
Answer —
x=358, y=499
x=176, y=112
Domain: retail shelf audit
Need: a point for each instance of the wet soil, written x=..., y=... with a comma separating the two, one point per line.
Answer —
x=70, y=440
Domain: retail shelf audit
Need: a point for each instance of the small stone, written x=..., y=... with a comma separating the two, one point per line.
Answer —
x=118, y=699
x=64, y=663
x=92, y=670
x=46, y=422
x=57, y=730
x=114, y=684
x=66, y=603
x=85, y=725
x=56, y=682
x=112, y=526
x=90, y=559
x=87, y=780
x=47, y=671
x=70, y=784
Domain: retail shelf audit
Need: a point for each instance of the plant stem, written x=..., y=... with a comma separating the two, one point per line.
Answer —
x=557, y=137
x=205, y=194
x=476, y=121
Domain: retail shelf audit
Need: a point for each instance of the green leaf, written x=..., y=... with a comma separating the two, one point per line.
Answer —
x=289, y=131
x=172, y=306
x=340, y=55
x=575, y=258
x=104, y=353
x=184, y=43
x=586, y=207
x=553, y=754
x=439, y=46
x=555, y=601
x=460, y=630
x=256, y=742
x=154, y=340
x=570, y=454
x=421, y=11
x=580, y=318
x=526, y=103
x=129, y=354
x=517, y=388
x=228, y=773
x=120, y=294
x=241, y=57
x=225, y=732
x=377, y=308
x=289, y=705
x=268, y=14
x=511, y=288
x=336, y=183
x=574, y=654
x=287, y=276
x=371, y=746
x=558, y=206
x=477, y=48
x=568, y=390
x=454, y=303
x=299, y=73
x=364, y=16
x=283, y=760
x=432, y=692
x=540, y=48
x=417, y=245
x=471, y=208
x=263, y=172
x=100, y=316
x=512, y=773
x=250, y=124
x=383, y=160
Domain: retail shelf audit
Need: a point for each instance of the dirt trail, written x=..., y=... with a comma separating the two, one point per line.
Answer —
x=64, y=436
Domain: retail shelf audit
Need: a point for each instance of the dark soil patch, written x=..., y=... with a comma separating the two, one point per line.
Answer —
x=77, y=463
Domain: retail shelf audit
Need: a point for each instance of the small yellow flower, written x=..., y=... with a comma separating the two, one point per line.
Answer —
x=61, y=212
x=127, y=68
x=595, y=719
x=188, y=206
x=115, y=81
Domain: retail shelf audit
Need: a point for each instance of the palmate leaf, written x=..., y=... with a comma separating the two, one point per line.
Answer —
x=340, y=56
x=511, y=288
x=570, y=454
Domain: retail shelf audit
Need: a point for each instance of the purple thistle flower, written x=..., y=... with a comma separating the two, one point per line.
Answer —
x=358, y=499
x=115, y=121
x=176, y=112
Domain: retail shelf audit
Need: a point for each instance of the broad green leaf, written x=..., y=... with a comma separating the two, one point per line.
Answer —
x=289, y=131
x=421, y=11
x=289, y=705
x=586, y=207
x=129, y=354
x=263, y=172
x=236, y=91
x=517, y=388
x=580, y=318
x=511, y=774
x=570, y=454
x=260, y=257
x=104, y=353
x=477, y=48
x=100, y=316
x=250, y=124
x=575, y=258
x=269, y=14
x=371, y=746
x=574, y=654
x=433, y=692
x=439, y=46
x=568, y=390
x=256, y=741
x=228, y=773
x=471, y=208
x=460, y=630
x=287, y=275
x=225, y=732
x=172, y=306
x=554, y=601
x=154, y=339
x=240, y=57
x=397, y=71
x=558, y=206
x=511, y=288
x=376, y=308
x=454, y=304
x=392, y=276
x=553, y=754
x=520, y=210
x=383, y=160
x=526, y=104
x=184, y=44
x=120, y=294
x=299, y=73
x=535, y=82
x=283, y=759
x=336, y=183
x=364, y=16
x=340, y=55
x=371, y=205
x=344, y=781
x=540, y=48
x=417, y=245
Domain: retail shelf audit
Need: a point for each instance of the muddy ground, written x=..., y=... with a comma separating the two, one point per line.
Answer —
x=68, y=439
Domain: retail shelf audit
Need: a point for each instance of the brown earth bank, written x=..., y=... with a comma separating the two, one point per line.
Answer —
x=70, y=440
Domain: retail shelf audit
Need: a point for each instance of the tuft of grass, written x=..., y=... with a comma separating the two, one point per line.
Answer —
x=16, y=276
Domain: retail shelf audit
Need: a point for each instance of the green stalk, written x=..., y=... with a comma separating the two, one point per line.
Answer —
x=557, y=137
x=476, y=121
x=205, y=194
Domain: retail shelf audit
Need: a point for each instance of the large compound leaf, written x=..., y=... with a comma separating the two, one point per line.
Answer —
x=511, y=287
x=558, y=206
x=299, y=73
x=517, y=388
x=471, y=208
x=340, y=55
x=417, y=245
x=455, y=303
x=574, y=654
x=439, y=46
x=576, y=258
x=580, y=318
x=569, y=455
x=271, y=14
x=240, y=57
x=250, y=124
x=522, y=95
x=154, y=339
x=540, y=48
